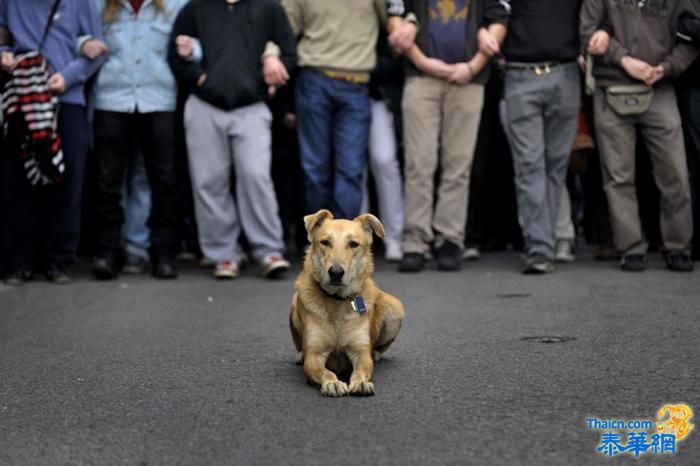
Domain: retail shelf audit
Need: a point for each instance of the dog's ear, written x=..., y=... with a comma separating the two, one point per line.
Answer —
x=371, y=224
x=313, y=221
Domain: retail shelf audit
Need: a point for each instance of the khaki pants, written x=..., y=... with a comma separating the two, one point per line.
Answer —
x=441, y=122
x=661, y=130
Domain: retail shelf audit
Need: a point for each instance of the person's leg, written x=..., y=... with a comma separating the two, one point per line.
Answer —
x=560, y=120
x=616, y=138
x=64, y=206
x=22, y=225
x=159, y=157
x=114, y=146
x=422, y=108
x=255, y=193
x=350, y=139
x=524, y=107
x=209, y=154
x=314, y=125
x=461, y=109
x=662, y=132
x=386, y=172
x=689, y=105
x=136, y=202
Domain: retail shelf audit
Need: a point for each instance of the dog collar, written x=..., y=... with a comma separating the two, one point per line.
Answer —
x=357, y=302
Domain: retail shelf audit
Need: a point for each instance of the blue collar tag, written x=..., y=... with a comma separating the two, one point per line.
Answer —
x=358, y=305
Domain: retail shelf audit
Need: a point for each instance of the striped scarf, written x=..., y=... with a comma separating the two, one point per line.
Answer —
x=30, y=120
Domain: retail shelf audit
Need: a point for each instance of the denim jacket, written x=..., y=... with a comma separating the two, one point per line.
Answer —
x=136, y=75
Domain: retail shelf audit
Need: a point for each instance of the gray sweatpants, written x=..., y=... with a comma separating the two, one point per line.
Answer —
x=218, y=142
x=541, y=114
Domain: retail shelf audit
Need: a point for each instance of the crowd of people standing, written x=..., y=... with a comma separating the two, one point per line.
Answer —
x=215, y=125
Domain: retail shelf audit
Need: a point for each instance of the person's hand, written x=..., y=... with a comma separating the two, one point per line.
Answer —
x=637, y=69
x=201, y=80
x=274, y=71
x=8, y=62
x=185, y=46
x=657, y=74
x=93, y=48
x=488, y=44
x=403, y=37
x=290, y=120
x=435, y=68
x=599, y=43
x=581, y=60
x=57, y=83
x=462, y=73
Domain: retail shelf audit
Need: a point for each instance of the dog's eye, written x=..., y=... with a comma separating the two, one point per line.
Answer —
x=325, y=242
x=353, y=244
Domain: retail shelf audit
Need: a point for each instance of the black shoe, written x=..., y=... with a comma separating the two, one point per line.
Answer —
x=449, y=257
x=412, y=262
x=679, y=262
x=104, y=268
x=56, y=273
x=537, y=264
x=18, y=277
x=633, y=263
x=164, y=268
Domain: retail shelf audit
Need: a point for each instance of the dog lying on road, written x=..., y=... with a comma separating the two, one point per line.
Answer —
x=340, y=321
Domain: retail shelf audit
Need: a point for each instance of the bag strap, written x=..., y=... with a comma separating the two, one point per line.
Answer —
x=49, y=22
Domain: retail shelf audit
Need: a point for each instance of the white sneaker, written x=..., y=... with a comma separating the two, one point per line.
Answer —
x=392, y=250
x=471, y=254
x=274, y=266
x=564, y=251
x=227, y=270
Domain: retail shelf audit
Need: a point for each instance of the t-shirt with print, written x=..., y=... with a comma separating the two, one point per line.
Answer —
x=448, y=29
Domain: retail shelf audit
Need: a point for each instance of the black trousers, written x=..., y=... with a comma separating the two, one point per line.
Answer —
x=117, y=138
x=44, y=222
x=689, y=104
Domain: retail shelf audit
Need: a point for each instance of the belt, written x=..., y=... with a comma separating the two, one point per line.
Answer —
x=540, y=69
x=355, y=78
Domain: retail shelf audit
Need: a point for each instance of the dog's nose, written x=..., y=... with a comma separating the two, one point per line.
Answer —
x=336, y=273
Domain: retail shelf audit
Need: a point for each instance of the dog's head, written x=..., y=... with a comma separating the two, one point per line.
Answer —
x=340, y=254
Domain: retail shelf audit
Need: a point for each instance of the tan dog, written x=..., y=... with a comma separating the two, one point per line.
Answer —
x=340, y=320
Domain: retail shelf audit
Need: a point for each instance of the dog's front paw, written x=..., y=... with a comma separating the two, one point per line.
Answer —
x=362, y=388
x=335, y=388
x=300, y=358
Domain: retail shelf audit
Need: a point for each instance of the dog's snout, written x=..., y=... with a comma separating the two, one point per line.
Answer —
x=336, y=273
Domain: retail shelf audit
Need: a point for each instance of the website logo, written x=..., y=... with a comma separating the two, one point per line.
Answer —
x=644, y=437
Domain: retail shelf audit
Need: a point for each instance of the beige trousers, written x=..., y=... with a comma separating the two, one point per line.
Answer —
x=441, y=122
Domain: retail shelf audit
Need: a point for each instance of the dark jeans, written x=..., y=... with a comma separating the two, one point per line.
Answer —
x=116, y=138
x=333, y=119
x=44, y=222
x=689, y=104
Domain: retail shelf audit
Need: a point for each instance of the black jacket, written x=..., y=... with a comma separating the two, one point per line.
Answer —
x=482, y=14
x=233, y=38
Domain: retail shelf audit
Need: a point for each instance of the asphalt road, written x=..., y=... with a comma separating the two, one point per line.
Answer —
x=196, y=371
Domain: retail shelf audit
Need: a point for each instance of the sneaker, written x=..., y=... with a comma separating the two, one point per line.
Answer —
x=471, y=254
x=164, y=268
x=274, y=266
x=134, y=265
x=412, y=262
x=56, y=273
x=104, y=268
x=392, y=250
x=18, y=277
x=679, y=262
x=449, y=257
x=564, y=251
x=227, y=270
x=537, y=264
x=633, y=263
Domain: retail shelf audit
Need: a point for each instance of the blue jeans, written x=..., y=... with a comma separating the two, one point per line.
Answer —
x=136, y=202
x=333, y=119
